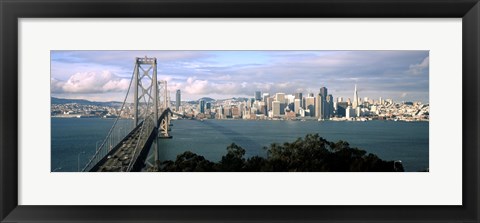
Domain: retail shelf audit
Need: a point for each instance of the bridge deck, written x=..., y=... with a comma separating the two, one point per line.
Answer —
x=120, y=158
x=131, y=152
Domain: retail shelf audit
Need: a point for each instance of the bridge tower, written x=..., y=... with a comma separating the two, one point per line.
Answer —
x=165, y=123
x=146, y=93
x=145, y=89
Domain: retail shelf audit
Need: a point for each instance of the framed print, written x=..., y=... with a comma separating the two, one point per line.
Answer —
x=205, y=111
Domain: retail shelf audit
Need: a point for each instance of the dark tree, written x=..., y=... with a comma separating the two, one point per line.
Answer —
x=310, y=154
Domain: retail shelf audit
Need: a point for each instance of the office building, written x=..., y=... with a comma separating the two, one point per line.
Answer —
x=269, y=103
x=297, y=106
x=265, y=96
x=258, y=95
x=300, y=97
x=276, y=108
x=319, y=107
x=202, y=106
x=280, y=97
x=329, y=106
x=177, y=101
x=341, y=109
x=310, y=105
x=350, y=112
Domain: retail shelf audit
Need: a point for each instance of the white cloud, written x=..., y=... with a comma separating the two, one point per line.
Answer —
x=418, y=68
x=90, y=82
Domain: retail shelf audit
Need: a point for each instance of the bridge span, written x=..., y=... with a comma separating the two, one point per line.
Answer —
x=130, y=154
x=139, y=149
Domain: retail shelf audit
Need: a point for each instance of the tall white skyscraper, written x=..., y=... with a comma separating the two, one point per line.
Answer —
x=355, y=102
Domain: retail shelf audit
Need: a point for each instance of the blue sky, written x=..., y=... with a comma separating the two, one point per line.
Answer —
x=105, y=75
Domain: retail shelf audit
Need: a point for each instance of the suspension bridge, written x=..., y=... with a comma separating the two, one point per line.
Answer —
x=137, y=149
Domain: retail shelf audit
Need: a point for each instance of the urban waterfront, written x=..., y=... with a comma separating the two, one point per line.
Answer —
x=74, y=140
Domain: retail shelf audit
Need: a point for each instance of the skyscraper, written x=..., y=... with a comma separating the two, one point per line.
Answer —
x=276, y=108
x=329, y=107
x=258, y=95
x=324, y=92
x=319, y=107
x=280, y=97
x=269, y=103
x=322, y=106
x=202, y=106
x=178, y=99
x=300, y=97
x=355, y=102
x=310, y=105
x=297, y=106
x=265, y=96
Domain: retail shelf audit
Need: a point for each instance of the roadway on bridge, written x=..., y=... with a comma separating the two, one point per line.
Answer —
x=121, y=158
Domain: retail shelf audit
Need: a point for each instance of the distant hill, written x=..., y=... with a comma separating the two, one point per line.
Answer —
x=85, y=102
x=207, y=99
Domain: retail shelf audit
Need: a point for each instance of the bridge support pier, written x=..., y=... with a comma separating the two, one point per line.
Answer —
x=164, y=128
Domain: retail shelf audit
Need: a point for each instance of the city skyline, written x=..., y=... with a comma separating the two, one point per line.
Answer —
x=105, y=75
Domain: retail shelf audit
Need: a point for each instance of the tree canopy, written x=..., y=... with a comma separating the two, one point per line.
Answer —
x=309, y=154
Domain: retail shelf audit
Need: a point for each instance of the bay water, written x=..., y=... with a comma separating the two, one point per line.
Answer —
x=74, y=140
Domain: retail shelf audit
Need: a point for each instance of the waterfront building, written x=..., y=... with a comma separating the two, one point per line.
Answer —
x=177, y=101
x=350, y=112
x=236, y=112
x=227, y=112
x=302, y=112
x=290, y=115
x=358, y=112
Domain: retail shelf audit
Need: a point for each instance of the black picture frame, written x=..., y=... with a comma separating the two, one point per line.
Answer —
x=12, y=10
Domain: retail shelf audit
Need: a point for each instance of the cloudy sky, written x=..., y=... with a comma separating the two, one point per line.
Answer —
x=105, y=75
